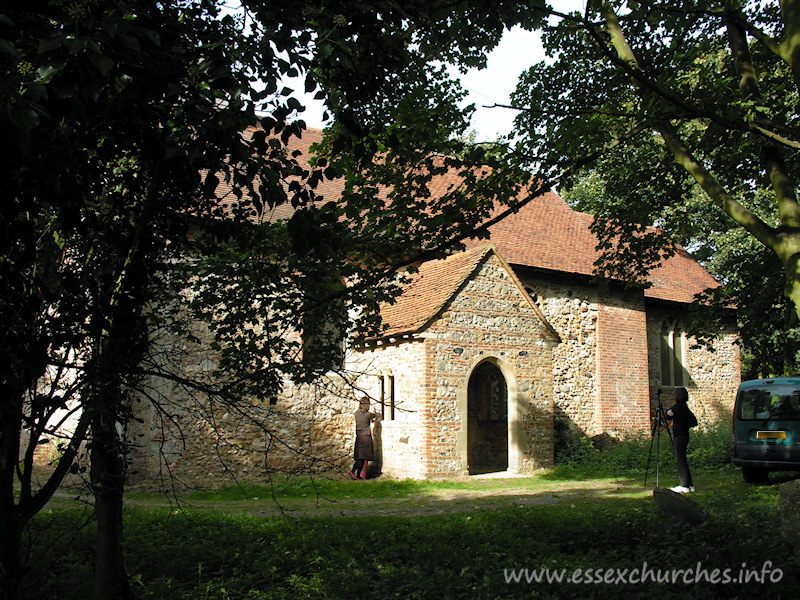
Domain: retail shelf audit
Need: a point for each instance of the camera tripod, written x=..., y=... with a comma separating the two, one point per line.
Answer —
x=659, y=422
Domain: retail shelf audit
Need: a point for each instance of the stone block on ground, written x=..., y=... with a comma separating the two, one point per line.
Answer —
x=678, y=506
x=790, y=510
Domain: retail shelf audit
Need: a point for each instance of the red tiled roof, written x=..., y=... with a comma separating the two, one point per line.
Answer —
x=327, y=189
x=429, y=290
x=547, y=234
x=679, y=278
x=544, y=234
x=436, y=282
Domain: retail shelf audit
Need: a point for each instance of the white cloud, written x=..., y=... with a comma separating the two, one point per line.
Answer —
x=518, y=49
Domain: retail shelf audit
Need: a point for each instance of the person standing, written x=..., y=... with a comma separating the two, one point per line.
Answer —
x=682, y=420
x=364, y=450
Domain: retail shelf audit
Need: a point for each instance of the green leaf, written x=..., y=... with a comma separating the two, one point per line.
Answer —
x=103, y=64
x=45, y=75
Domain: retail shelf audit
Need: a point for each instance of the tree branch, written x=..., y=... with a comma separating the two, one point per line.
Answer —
x=625, y=59
x=683, y=156
x=738, y=212
x=771, y=155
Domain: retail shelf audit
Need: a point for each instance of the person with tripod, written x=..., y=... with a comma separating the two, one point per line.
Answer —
x=682, y=420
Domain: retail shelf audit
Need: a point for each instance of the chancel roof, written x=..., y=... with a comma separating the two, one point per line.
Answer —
x=545, y=234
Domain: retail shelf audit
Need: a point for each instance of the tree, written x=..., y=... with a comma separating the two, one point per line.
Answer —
x=121, y=119
x=110, y=112
x=687, y=103
x=750, y=274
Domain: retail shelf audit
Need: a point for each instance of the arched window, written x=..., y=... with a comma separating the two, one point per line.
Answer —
x=673, y=343
x=386, y=395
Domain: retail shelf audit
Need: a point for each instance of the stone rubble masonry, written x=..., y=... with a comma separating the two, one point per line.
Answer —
x=598, y=376
x=193, y=439
x=196, y=440
x=573, y=313
x=489, y=319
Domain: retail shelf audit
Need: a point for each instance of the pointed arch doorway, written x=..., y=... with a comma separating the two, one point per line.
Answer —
x=487, y=422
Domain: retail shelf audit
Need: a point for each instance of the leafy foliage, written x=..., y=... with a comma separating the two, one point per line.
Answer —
x=679, y=107
x=122, y=121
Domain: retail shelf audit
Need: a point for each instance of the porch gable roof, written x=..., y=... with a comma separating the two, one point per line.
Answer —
x=433, y=286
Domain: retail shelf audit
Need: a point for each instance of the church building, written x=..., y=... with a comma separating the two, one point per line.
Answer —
x=485, y=354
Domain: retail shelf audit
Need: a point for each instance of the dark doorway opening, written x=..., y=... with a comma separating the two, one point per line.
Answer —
x=487, y=420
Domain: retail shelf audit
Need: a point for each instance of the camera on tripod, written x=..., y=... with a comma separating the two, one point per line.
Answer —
x=660, y=420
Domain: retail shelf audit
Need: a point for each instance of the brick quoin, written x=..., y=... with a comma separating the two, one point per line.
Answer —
x=622, y=366
x=429, y=430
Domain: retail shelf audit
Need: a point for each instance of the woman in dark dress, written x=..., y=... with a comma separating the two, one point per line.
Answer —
x=364, y=450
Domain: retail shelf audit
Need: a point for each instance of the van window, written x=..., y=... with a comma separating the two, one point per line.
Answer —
x=779, y=402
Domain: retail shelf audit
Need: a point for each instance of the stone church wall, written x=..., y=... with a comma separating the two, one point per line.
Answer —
x=193, y=439
x=186, y=437
x=577, y=313
x=572, y=310
x=713, y=374
x=585, y=379
x=490, y=319
x=201, y=442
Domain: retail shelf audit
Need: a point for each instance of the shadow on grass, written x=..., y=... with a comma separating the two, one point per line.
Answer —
x=298, y=497
x=455, y=554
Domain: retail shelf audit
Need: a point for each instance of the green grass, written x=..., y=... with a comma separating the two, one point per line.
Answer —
x=340, y=539
x=237, y=554
x=306, y=486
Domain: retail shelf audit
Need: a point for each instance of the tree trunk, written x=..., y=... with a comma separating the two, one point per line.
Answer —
x=108, y=484
x=11, y=527
x=11, y=523
x=792, y=289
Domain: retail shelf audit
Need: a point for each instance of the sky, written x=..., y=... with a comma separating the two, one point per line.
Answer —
x=518, y=49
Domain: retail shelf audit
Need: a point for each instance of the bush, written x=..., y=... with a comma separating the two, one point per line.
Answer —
x=709, y=448
x=572, y=446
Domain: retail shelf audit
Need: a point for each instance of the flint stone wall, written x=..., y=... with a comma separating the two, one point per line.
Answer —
x=199, y=441
x=489, y=319
x=573, y=312
x=713, y=374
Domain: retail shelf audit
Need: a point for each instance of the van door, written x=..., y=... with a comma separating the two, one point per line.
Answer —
x=766, y=427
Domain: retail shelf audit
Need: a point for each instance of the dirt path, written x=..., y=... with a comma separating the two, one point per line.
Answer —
x=496, y=495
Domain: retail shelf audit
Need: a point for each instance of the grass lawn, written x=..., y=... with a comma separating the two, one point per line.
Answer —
x=471, y=538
